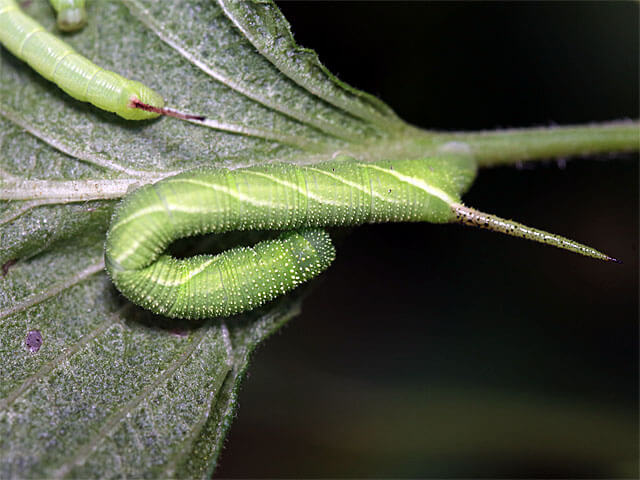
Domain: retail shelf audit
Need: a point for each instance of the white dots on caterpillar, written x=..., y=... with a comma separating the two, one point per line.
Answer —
x=298, y=200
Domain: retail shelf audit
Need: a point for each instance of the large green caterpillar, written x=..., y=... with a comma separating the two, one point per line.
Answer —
x=56, y=61
x=298, y=199
x=71, y=14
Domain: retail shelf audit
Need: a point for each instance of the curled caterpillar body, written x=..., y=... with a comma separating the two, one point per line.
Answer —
x=71, y=14
x=56, y=61
x=278, y=197
x=234, y=281
x=274, y=197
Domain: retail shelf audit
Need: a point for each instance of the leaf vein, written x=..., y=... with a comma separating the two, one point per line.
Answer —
x=351, y=107
x=114, y=419
x=49, y=366
x=173, y=41
x=53, y=290
x=84, y=156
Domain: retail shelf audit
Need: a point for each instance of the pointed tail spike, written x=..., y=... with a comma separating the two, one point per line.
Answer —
x=169, y=112
x=475, y=218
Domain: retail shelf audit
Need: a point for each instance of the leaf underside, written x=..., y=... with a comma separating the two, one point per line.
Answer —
x=114, y=391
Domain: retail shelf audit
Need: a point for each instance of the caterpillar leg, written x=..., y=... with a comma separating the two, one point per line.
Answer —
x=474, y=218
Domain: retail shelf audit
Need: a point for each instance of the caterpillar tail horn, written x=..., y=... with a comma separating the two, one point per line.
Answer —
x=166, y=111
x=475, y=218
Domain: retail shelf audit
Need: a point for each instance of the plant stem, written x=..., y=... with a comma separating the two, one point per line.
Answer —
x=506, y=147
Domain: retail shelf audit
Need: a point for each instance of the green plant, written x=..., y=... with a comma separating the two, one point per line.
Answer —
x=155, y=400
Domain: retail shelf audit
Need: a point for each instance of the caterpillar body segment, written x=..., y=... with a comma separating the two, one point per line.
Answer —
x=56, y=61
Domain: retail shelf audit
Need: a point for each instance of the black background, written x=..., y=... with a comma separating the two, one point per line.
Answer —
x=443, y=351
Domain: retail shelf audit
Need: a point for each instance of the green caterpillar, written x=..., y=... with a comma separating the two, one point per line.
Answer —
x=298, y=199
x=79, y=77
x=71, y=14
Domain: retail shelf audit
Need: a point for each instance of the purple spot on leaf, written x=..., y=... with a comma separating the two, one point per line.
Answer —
x=33, y=341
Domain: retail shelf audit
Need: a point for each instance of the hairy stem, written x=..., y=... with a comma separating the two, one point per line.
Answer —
x=507, y=147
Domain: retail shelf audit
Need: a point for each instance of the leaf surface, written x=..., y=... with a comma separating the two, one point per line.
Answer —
x=115, y=391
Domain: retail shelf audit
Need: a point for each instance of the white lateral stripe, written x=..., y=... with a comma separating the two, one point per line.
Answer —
x=354, y=185
x=132, y=247
x=220, y=188
x=138, y=213
x=160, y=208
x=431, y=190
x=339, y=178
x=186, y=278
x=295, y=187
x=142, y=237
x=135, y=244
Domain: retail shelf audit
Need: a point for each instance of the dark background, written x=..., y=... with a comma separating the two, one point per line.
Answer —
x=444, y=351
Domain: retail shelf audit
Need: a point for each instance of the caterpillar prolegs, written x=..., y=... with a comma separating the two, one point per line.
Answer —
x=297, y=199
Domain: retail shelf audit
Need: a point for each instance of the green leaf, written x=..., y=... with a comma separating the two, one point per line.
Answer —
x=114, y=391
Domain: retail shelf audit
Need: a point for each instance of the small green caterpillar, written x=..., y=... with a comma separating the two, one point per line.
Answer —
x=71, y=14
x=277, y=197
x=79, y=77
